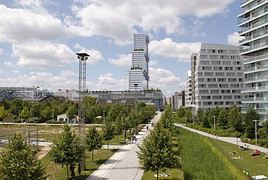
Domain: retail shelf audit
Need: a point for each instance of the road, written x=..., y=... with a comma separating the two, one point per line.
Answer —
x=232, y=140
x=124, y=163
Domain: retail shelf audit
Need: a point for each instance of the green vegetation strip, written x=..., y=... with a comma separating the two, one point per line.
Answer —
x=59, y=173
x=201, y=161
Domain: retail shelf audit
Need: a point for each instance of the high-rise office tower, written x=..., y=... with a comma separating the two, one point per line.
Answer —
x=253, y=26
x=139, y=71
x=188, y=90
x=218, y=76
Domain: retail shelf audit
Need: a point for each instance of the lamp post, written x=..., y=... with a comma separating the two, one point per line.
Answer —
x=256, y=135
x=214, y=119
x=82, y=57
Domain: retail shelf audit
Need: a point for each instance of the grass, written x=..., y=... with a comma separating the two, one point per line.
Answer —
x=254, y=165
x=202, y=160
x=174, y=174
x=57, y=172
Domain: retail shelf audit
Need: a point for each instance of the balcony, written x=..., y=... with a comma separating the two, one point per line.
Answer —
x=257, y=46
x=254, y=99
x=258, y=14
x=259, y=110
x=251, y=6
x=257, y=78
x=248, y=59
x=256, y=68
x=253, y=89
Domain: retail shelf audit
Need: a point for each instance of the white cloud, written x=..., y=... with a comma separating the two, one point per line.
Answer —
x=162, y=76
x=95, y=55
x=20, y=25
x=118, y=19
x=42, y=79
x=170, y=49
x=43, y=54
x=1, y=51
x=108, y=82
x=234, y=38
x=123, y=60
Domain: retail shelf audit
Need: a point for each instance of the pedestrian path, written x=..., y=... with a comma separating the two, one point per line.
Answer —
x=124, y=163
x=232, y=140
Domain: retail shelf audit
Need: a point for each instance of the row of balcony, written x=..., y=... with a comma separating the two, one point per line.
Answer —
x=257, y=35
x=257, y=46
x=249, y=58
x=256, y=68
x=258, y=13
x=258, y=88
x=256, y=78
x=255, y=99
x=251, y=6
x=244, y=29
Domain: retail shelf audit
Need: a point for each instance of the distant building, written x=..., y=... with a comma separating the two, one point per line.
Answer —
x=24, y=93
x=252, y=23
x=188, y=90
x=193, y=68
x=218, y=76
x=178, y=100
x=71, y=94
x=139, y=71
x=130, y=97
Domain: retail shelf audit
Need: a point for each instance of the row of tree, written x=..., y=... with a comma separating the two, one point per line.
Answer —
x=227, y=119
x=157, y=152
x=44, y=111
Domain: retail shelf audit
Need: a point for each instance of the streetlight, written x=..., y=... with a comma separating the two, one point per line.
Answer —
x=256, y=136
x=214, y=118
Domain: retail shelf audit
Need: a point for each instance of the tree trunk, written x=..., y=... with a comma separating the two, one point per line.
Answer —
x=108, y=143
x=125, y=136
x=67, y=168
x=157, y=175
x=117, y=138
x=92, y=155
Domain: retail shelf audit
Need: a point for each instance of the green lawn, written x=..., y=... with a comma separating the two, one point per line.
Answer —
x=202, y=160
x=174, y=174
x=254, y=165
x=56, y=172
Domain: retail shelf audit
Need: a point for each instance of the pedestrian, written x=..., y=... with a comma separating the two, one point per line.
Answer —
x=152, y=124
x=147, y=128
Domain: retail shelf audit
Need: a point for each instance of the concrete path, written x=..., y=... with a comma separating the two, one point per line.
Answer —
x=124, y=163
x=232, y=140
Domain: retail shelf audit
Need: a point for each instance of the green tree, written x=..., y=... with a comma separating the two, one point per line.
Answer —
x=25, y=114
x=18, y=161
x=71, y=112
x=222, y=119
x=35, y=110
x=46, y=113
x=125, y=127
x=67, y=150
x=3, y=113
x=93, y=140
x=235, y=119
x=249, y=124
x=117, y=125
x=108, y=132
x=156, y=152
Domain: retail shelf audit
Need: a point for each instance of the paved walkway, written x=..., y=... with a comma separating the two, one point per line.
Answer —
x=232, y=140
x=124, y=163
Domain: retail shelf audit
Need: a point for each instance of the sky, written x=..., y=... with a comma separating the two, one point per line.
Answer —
x=39, y=39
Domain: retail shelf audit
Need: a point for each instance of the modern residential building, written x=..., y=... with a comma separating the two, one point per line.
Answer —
x=139, y=71
x=24, y=93
x=193, y=66
x=178, y=100
x=253, y=26
x=218, y=76
x=188, y=90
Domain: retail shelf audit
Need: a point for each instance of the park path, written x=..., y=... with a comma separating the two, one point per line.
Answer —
x=232, y=140
x=124, y=163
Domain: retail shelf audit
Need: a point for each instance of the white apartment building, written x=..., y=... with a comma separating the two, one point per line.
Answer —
x=253, y=26
x=139, y=71
x=218, y=76
x=188, y=90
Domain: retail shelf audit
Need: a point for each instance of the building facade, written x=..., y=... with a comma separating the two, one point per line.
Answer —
x=139, y=71
x=218, y=76
x=253, y=26
x=155, y=97
x=188, y=90
x=193, y=65
x=24, y=93
x=178, y=100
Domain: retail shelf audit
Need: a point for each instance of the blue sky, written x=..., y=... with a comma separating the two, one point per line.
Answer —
x=38, y=39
